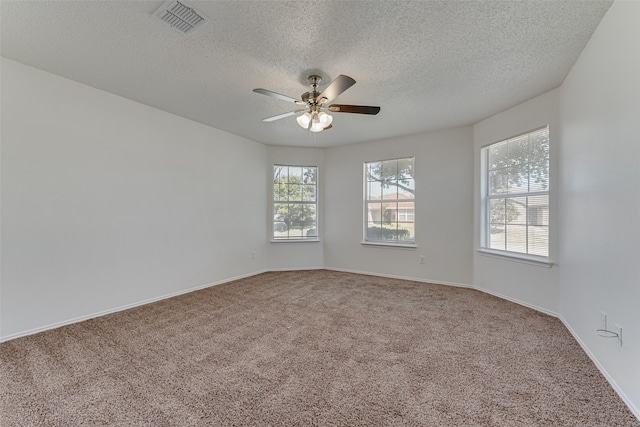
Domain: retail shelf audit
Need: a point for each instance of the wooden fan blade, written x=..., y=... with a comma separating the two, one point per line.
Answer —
x=337, y=86
x=279, y=96
x=358, y=109
x=283, y=115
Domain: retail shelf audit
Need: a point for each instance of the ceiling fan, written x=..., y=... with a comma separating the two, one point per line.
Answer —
x=314, y=118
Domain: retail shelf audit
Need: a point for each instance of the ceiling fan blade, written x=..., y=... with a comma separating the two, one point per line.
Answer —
x=279, y=96
x=282, y=116
x=358, y=109
x=337, y=86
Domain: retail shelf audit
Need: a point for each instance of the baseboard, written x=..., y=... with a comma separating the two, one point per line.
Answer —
x=124, y=307
x=296, y=269
x=440, y=282
x=601, y=368
x=394, y=276
x=517, y=301
x=633, y=408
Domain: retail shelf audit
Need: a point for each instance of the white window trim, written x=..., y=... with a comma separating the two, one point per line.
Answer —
x=317, y=202
x=537, y=260
x=389, y=243
x=313, y=240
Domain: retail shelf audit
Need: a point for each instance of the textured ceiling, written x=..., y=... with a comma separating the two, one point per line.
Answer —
x=428, y=64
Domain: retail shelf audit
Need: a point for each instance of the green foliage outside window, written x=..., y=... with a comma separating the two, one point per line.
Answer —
x=295, y=202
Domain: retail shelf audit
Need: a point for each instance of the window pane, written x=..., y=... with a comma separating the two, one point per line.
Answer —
x=374, y=212
x=295, y=174
x=498, y=155
x=516, y=210
x=308, y=220
x=539, y=161
x=519, y=152
x=295, y=233
x=497, y=214
x=293, y=185
x=280, y=192
x=279, y=174
x=311, y=230
x=518, y=167
x=498, y=180
x=406, y=231
x=497, y=237
x=539, y=240
x=294, y=192
x=406, y=209
x=405, y=169
x=408, y=190
x=374, y=171
x=374, y=190
x=517, y=238
x=518, y=179
x=309, y=175
x=309, y=193
x=390, y=208
x=390, y=192
x=280, y=215
x=390, y=169
x=538, y=210
x=389, y=213
x=374, y=231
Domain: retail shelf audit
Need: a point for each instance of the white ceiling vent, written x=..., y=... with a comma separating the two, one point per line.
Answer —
x=180, y=16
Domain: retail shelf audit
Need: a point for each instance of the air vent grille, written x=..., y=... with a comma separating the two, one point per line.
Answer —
x=181, y=17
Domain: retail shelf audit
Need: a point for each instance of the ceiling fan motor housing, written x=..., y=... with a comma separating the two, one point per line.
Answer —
x=311, y=97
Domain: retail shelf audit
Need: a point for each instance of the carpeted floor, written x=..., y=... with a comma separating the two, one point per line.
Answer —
x=305, y=349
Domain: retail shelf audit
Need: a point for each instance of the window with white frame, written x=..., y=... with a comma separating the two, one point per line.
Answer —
x=515, y=195
x=389, y=194
x=295, y=202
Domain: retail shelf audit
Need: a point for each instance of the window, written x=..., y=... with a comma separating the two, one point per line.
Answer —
x=295, y=203
x=389, y=194
x=515, y=195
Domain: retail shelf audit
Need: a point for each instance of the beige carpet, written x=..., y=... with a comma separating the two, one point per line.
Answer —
x=305, y=349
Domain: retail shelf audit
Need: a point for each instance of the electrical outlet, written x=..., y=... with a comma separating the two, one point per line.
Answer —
x=618, y=330
x=421, y=259
x=603, y=320
x=253, y=255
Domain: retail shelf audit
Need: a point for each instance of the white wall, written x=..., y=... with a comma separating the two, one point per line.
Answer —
x=296, y=255
x=528, y=284
x=600, y=195
x=107, y=202
x=444, y=208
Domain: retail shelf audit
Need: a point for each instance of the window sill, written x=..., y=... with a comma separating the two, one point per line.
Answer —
x=295, y=241
x=515, y=257
x=390, y=245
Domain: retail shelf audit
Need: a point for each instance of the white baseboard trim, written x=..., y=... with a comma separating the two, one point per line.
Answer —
x=295, y=269
x=633, y=408
x=517, y=301
x=124, y=307
x=394, y=276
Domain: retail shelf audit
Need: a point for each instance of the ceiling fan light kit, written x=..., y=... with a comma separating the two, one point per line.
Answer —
x=313, y=117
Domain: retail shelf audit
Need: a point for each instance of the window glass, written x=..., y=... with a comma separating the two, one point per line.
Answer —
x=515, y=197
x=389, y=193
x=295, y=202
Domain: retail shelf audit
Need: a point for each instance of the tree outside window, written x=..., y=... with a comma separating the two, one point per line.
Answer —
x=516, y=195
x=390, y=201
x=295, y=202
